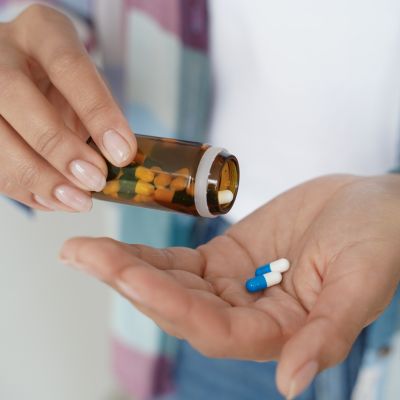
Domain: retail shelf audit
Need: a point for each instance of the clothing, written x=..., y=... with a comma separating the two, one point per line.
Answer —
x=311, y=87
x=174, y=101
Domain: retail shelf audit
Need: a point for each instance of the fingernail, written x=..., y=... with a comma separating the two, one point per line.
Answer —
x=73, y=198
x=129, y=292
x=89, y=175
x=45, y=202
x=116, y=146
x=64, y=260
x=302, y=379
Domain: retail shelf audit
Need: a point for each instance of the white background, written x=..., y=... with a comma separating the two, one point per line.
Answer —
x=54, y=321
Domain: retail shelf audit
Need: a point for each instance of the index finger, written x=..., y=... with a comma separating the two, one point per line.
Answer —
x=208, y=322
x=50, y=38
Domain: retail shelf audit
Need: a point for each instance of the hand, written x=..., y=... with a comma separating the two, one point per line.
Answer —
x=52, y=98
x=342, y=236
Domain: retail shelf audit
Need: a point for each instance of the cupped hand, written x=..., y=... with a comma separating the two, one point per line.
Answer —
x=51, y=100
x=342, y=236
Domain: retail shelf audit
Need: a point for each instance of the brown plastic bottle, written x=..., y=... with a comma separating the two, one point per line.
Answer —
x=175, y=175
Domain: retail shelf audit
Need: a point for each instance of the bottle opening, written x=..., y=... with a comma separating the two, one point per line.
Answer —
x=223, y=183
x=228, y=184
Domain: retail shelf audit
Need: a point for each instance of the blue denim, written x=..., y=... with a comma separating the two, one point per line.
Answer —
x=199, y=378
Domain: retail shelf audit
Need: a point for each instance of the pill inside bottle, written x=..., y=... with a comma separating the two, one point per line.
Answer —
x=175, y=175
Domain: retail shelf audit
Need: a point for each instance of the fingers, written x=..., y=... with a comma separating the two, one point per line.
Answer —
x=43, y=129
x=208, y=322
x=22, y=196
x=343, y=308
x=180, y=258
x=27, y=177
x=70, y=69
x=110, y=261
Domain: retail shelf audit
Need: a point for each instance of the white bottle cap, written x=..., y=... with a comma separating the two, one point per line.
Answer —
x=201, y=181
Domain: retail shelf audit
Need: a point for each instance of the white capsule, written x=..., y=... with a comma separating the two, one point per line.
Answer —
x=225, y=196
x=273, y=278
x=281, y=265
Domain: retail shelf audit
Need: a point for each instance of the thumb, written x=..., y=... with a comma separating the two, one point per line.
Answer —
x=344, y=307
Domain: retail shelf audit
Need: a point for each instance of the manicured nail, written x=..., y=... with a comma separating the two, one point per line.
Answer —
x=64, y=260
x=73, y=198
x=117, y=146
x=129, y=292
x=45, y=202
x=89, y=175
x=302, y=379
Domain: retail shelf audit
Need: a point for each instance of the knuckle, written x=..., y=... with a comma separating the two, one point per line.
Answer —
x=9, y=77
x=6, y=31
x=41, y=12
x=95, y=109
x=65, y=61
x=36, y=9
x=27, y=175
x=6, y=185
x=48, y=141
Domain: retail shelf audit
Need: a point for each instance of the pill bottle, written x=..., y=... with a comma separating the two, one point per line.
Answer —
x=175, y=175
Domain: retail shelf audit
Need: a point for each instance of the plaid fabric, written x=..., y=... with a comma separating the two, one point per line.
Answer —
x=154, y=54
x=165, y=92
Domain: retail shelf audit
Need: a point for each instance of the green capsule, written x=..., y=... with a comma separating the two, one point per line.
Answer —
x=183, y=198
x=113, y=172
x=126, y=189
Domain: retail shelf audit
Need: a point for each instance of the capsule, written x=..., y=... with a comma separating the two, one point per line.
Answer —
x=262, y=282
x=281, y=265
x=225, y=196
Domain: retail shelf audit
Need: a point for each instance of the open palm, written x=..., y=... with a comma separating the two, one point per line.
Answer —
x=341, y=234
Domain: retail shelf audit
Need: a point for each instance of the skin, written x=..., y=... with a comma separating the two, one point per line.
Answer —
x=52, y=99
x=342, y=236
x=341, y=233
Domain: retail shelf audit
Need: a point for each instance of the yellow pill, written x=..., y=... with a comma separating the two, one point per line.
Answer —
x=162, y=180
x=112, y=187
x=141, y=198
x=145, y=188
x=156, y=169
x=225, y=177
x=164, y=195
x=178, y=184
x=144, y=174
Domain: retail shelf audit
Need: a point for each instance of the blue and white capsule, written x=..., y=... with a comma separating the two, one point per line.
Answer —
x=262, y=282
x=281, y=265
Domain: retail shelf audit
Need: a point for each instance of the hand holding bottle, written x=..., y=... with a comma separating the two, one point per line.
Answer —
x=52, y=99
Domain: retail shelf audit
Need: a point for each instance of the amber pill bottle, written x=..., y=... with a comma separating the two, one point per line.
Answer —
x=175, y=175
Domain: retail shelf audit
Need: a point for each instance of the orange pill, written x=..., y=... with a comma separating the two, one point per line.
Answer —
x=178, y=184
x=164, y=195
x=162, y=180
x=111, y=188
x=184, y=172
x=144, y=174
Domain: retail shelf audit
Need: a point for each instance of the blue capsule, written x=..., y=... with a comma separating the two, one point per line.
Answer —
x=281, y=265
x=262, y=282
